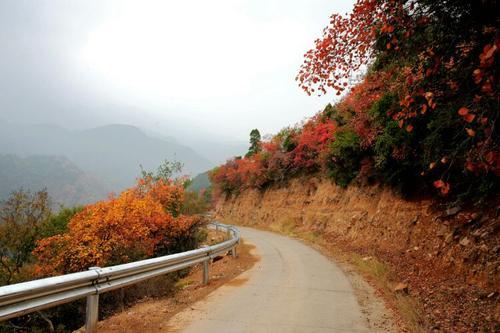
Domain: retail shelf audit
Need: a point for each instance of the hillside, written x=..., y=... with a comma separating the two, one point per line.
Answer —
x=111, y=153
x=447, y=260
x=402, y=172
x=65, y=182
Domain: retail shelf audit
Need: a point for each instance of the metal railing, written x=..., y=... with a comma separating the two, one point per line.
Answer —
x=23, y=298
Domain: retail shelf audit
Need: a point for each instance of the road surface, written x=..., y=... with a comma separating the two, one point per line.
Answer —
x=293, y=288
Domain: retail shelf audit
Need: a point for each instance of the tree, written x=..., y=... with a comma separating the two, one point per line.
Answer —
x=142, y=221
x=58, y=223
x=423, y=117
x=21, y=217
x=255, y=139
x=165, y=171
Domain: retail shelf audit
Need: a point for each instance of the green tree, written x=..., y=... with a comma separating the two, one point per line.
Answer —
x=21, y=218
x=165, y=171
x=58, y=223
x=255, y=139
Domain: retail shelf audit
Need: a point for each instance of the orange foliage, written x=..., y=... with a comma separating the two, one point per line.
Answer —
x=129, y=227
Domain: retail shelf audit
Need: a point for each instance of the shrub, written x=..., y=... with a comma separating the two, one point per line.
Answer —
x=346, y=157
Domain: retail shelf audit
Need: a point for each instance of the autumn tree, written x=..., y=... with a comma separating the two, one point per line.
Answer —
x=437, y=62
x=141, y=222
x=419, y=107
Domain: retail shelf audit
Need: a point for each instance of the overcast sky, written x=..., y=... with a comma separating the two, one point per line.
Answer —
x=221, y=66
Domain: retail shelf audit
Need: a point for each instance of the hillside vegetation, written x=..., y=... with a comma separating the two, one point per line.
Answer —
x=422, y=119
x=153, y=218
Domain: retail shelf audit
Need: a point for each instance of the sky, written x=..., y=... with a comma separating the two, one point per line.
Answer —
x=220, y=67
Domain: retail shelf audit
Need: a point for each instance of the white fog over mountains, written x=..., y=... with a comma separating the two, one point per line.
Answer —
x=94, y=88
x=80, y=166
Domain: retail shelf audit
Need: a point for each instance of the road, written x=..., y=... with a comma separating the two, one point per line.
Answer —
x=293, y=288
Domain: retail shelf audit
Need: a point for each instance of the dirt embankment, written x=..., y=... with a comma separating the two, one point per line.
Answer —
x=445, y=259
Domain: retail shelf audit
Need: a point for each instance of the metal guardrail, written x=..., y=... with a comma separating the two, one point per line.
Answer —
x=23, y=298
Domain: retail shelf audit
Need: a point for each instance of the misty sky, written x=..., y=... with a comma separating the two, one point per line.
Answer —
x=220, y=66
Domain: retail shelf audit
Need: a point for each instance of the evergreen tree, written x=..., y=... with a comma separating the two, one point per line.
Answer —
x=254, y=143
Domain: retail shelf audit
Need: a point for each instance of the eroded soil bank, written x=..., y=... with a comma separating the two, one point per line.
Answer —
x=445, y=259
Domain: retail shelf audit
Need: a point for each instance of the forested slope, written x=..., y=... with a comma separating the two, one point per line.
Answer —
x=403, y=169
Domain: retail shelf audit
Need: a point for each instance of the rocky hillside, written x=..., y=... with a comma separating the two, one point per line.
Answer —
x=447, y=258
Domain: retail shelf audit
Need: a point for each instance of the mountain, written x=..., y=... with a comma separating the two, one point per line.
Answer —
x=112, y=153
x=65, y=182
x=199, y=182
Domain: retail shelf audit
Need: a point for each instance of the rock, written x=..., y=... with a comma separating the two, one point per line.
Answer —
x=442, y=231
x=464, y=241
x=453, y=211
x=366, y=258
x=449, y=238
x=401, y=288
x=477, y=233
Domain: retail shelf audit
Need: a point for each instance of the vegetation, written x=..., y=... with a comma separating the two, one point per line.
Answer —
x=423, y=117
x=141, y=222
x=22, y=218
x=155, y=217
x=254, y=143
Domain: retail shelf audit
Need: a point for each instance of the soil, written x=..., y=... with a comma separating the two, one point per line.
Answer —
x=438, y=268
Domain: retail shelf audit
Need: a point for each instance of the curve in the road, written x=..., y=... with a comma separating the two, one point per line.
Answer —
x=293, y=288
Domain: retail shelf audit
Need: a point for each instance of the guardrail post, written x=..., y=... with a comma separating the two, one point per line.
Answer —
x=205, y=271
x=92, y=310
x=92, y=313
x=233, y=252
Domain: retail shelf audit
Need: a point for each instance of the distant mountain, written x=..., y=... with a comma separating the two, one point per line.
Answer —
x=199, y=182
x=65, y=182
x=111, y=153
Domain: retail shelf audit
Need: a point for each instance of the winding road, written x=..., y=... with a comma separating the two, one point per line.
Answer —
x=293, y=288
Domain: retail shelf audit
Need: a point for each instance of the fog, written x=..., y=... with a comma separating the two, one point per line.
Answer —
x=92, y=90
x=187, y=69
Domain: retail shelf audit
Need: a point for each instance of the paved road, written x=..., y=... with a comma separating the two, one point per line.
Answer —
x=293, y=288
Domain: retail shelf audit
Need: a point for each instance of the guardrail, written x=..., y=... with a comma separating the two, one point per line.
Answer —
x=23, y=298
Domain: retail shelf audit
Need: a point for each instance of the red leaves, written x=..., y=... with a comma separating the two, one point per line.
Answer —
x=443, y=187
x=437, y=76
x=313, y=139
x=486, y=57
x=386, y=28
x=469, y=117
x=347, y=43
x=463, y=111
x=466, y=115
x=470, y=132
